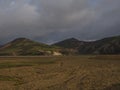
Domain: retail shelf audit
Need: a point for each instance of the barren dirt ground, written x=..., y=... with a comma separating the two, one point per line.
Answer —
x=60, y=73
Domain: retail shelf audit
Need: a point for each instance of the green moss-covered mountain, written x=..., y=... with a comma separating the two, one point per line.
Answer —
x=109, y=45
x=23, y=46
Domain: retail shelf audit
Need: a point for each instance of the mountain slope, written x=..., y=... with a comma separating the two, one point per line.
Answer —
x=23, y=46
x=110, y=45
x=71, y=43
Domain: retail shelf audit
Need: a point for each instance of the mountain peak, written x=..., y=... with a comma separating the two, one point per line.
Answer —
x=21, y=39
x=72, y=43
x=72, y=39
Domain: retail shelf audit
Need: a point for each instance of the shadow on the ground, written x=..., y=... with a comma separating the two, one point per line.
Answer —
x=113, y=87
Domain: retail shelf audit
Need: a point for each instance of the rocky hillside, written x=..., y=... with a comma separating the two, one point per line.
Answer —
x=109, y=45
x=71, y=43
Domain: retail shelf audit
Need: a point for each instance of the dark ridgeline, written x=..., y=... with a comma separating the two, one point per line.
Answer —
x=71, y=43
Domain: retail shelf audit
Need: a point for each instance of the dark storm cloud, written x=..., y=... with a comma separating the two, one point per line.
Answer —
x=52, y=20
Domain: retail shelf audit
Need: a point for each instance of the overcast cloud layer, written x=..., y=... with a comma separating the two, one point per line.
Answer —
x=52, y=20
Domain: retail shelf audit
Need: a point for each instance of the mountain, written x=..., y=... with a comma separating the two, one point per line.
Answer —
x=71, y=43
x=110, y=45
x=24, y=46
x=69, y=46
x=72, y=46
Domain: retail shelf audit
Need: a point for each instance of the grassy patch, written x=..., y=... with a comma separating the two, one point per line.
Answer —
x=13, y=62
x=39, y=62
x=12, y=65
x=17, y=80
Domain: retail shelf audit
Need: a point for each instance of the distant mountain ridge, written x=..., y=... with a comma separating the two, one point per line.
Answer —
x=71, y=43
x=72, y=46
x=110, y=45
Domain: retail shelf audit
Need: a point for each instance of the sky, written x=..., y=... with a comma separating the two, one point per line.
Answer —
x=50, y=21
